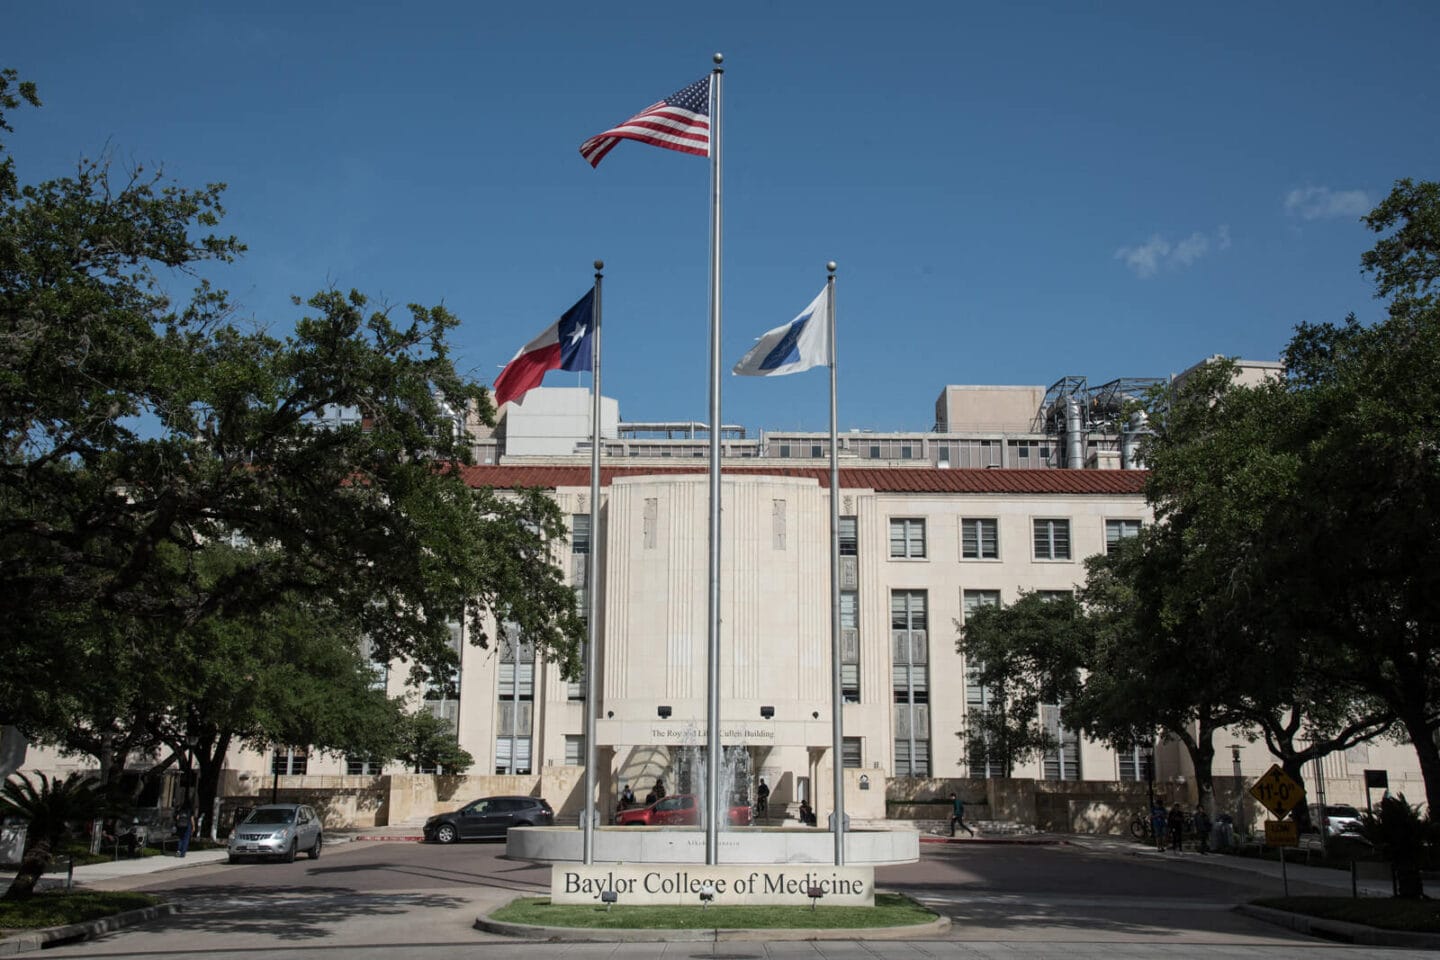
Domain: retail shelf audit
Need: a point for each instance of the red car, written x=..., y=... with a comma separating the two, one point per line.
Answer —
x=679, y=810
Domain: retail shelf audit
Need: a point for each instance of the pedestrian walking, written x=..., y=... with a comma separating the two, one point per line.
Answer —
x=957, y=815
x=1202, y=828
x=184, y=827
x=762, y=799
x=1159, y=824
x=1177, y=827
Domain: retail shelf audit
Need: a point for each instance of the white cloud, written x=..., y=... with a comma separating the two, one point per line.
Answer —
x=1158, y=253
x=1145, y=259
x=1316, y=203
x=1192, y=248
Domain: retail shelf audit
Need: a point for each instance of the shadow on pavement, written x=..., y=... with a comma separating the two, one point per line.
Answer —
x=294, y=913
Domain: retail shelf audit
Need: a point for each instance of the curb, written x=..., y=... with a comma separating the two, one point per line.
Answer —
x=525, y=931
x=1000, y=841
x=1341, y=930
x=938, y=926
x=389, y=839
x=86, y=930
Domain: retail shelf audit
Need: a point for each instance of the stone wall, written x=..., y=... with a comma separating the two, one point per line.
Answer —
x=1070, y=806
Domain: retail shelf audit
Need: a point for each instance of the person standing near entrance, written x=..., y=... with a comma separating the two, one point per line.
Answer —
x=762, y=799
x=627, y=798
x=957, y=815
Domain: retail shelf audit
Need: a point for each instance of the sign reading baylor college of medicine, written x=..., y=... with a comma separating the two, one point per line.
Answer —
x=682, y=883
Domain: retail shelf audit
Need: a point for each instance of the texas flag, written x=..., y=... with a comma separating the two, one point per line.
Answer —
x=565, y=345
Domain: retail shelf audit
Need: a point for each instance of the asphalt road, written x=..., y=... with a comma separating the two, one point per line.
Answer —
x=384, y=900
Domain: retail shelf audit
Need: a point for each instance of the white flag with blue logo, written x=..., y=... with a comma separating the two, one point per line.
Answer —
x=799, y=345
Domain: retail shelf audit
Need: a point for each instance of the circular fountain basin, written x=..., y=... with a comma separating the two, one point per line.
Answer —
x=742, y=845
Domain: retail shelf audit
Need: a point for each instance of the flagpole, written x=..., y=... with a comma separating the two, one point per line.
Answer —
x=592, y=627
x=837, y=702
x=712, y=777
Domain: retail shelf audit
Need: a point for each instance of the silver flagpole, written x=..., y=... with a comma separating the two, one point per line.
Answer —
x=837, y=701
x=712, y=736
x=592, y=579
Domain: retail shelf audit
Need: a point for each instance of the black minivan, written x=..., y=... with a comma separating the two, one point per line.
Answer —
x=489, y=817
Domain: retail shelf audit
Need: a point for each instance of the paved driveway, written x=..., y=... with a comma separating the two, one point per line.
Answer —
x=369, y=901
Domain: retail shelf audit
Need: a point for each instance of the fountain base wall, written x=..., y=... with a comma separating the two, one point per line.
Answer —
x=738, y=845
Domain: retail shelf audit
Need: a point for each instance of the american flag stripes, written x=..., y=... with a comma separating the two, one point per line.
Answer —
x=679, y=122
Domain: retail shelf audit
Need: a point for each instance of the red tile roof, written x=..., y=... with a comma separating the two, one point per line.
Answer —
x=880, y=479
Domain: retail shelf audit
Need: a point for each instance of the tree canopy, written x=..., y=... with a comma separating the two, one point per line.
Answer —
x=142, y=430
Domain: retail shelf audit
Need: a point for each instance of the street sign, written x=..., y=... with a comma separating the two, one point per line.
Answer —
x=1377, y=779
x=1277, y=791
x=1282, y=833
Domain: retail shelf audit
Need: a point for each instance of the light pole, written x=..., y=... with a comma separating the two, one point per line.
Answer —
x=1239, y=785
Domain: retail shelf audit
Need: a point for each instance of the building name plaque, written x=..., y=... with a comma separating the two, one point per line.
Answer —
x=786, y=884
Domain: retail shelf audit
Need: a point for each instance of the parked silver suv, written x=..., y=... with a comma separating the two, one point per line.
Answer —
x=277, y=830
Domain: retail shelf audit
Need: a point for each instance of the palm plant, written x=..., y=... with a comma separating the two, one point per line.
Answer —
x=48, y=808
x=1401, y=836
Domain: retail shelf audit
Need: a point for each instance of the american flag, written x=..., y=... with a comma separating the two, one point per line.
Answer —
x=679, y=122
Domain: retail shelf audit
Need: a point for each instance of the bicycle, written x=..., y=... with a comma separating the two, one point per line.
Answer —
x=1141, y=827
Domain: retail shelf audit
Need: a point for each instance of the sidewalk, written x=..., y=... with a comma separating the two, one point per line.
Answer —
x=1336, y=882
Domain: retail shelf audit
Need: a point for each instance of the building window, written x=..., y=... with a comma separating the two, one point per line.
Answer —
x=907, y=537
x=849, y=539
x=849, y=646
x=907, y=452
x=784, y=450
x=980, y=539
x=515, y=692
x=575, y=689
x=909, y=661
x=1117, y=530
x=874, y=451
x=1062, y=759
x=574, y=750
x=289, y=761
x=816, y=451
x=363, y=767
x=1132, y=763
x=980, y=700
x=580, y=533
x=850, y=758
x=1052, y=539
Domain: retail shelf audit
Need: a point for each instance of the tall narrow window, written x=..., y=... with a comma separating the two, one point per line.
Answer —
x=574, y=750
x=980, y=700
x=907, y=537
x=910, y=661
x=1062, y=758
x=849, y=646
x=849, y=538
x=850, y=758
x=516, y=695
x=979, y=538
x=1052, y=539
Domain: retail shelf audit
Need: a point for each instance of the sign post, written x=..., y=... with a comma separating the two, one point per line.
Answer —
x=1278, y=792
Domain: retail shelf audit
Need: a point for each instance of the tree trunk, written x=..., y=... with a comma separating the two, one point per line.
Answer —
x=1422, y=735
x=32, y=867
x=211, y=759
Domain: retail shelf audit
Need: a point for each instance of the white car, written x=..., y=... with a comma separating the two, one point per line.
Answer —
x=1335, y=819
x=277, y=830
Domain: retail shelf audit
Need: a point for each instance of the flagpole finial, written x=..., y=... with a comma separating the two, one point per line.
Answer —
x=599, y=264
x=719, y=58
x=830, y=266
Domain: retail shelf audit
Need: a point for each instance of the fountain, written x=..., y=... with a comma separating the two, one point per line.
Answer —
x=688, y=774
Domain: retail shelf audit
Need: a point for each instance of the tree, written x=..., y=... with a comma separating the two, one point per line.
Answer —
x=138, y=433
x=1026, y=656
x=429, y=744
x=48, y=811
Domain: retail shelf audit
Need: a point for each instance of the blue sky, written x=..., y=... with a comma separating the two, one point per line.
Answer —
x=1013, y=192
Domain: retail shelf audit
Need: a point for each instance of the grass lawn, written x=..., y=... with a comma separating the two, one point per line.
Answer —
x=55, y=908
x=1419, y=916
x=890, y=910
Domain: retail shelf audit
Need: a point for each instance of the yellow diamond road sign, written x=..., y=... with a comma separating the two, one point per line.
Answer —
x=1278, y=791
